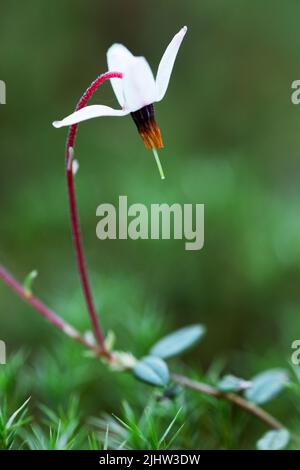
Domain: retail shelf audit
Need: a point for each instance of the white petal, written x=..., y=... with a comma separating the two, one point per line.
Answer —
x=166, y=64
x=138, y=84
x=117, y=59
x=90, y=112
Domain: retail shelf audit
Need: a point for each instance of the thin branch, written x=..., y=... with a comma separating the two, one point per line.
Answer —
x=45, y=311
x=232, y=397
x=70, y=331
x=78, y=245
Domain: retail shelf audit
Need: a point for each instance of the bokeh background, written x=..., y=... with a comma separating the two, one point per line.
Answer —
x=232, y=142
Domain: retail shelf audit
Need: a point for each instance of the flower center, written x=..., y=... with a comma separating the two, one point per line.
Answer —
x=148, y=129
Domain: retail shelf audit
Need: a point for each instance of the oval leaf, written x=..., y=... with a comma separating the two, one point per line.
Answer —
x=230, y=383
x=266, y=385
x=274, y=440
x=177, y=342
x=152, y=370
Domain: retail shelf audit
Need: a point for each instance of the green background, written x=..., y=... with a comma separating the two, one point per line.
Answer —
x=231, y=138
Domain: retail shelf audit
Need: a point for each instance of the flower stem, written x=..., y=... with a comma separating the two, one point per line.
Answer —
x=161, y=171
x=75, y=225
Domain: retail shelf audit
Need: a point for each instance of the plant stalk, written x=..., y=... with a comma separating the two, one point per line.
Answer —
x=45, y=311
x=200, y=387
x=74, y=217
x=233, y=397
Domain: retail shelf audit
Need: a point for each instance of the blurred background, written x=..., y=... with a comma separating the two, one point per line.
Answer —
x=232, y=142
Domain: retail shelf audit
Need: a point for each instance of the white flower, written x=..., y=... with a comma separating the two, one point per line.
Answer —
x=136, y=91
x=138, y=87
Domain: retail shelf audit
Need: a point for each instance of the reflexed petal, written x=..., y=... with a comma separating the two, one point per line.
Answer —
x=166, y=64
x=138, y=84
x=118, y=57
x=90, y=112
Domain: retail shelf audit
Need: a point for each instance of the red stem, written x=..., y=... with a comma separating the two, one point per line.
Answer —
x=184, y=381
x=46, y=312
x=78, y=245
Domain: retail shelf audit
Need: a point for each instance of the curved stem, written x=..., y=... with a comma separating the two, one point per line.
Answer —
x=78, y=245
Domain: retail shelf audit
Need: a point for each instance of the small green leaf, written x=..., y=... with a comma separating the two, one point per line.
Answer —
x=152, y=370
x=110, y=340
x=274, y=440
x=266, y=385
x=28, y=281
x=16, y=413
x=177, y=342
x=167, y=431
x=230, y=383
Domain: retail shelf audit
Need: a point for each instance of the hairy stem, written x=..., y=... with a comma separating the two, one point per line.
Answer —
x=78, y=245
